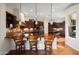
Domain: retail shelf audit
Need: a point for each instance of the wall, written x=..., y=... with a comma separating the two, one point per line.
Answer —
x=72, y=42
x=4, y=43
x=11, y=8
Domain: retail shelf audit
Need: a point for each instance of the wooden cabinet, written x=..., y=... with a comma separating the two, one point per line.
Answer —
x=36, y=27
x=52, y=29
x=39, y=24
x=29, y=24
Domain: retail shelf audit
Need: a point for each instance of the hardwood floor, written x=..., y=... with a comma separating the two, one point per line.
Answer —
x=60, y=51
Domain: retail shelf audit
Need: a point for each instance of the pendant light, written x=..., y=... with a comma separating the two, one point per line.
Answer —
x=36, y=22
x=51, y=15
x=20, y=22
x=20, y=15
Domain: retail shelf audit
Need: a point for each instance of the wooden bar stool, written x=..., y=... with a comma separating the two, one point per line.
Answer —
x=19, y=42
x=48, y=41
x=33, y=42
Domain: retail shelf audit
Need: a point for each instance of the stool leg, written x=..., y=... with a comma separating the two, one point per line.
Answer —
x=24, y=47
x=16, y=48
x=21, y=48
x=36, y=49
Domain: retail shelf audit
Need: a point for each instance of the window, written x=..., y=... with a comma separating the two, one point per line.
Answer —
x=72, y=26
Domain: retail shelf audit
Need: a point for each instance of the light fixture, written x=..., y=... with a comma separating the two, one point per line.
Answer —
x=36, y=22
x=51, y=22
x=51, y=14
x=20, y=22
x=21, y=15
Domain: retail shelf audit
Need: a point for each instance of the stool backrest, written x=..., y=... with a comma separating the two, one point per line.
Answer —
x=49, y=37
x=32, y=38
x=18, y=38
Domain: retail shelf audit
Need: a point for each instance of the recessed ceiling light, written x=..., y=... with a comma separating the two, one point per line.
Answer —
x=31, y=10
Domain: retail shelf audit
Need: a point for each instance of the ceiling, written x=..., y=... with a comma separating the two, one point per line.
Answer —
x=43, y=9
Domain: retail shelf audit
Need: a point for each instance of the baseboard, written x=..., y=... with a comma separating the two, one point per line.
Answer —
x=72, y=47
x=3, y=52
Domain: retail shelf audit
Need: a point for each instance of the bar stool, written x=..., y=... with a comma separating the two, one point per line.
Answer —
x=33, y=42
x=48, y=41
x=19, y=42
